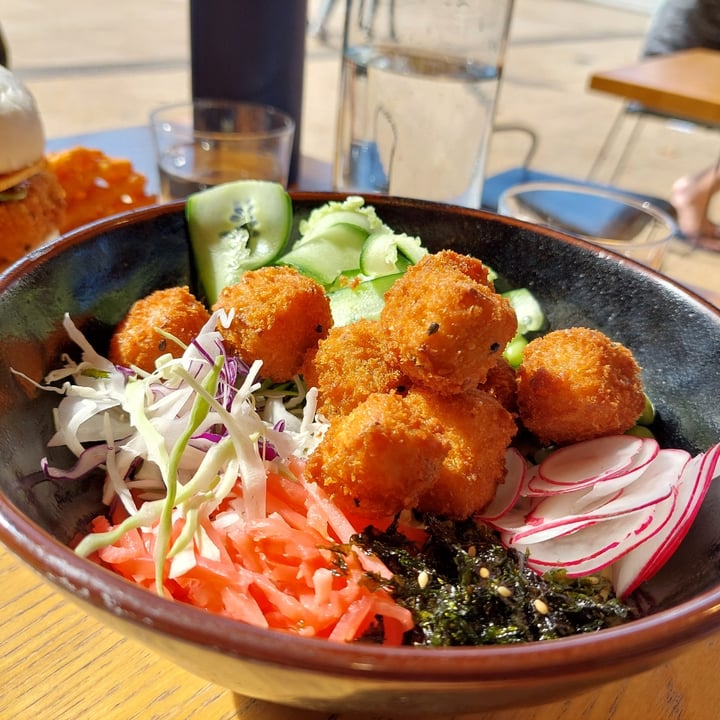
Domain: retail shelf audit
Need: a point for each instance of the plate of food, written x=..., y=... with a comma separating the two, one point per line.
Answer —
x=44, y=194
x=352, y=453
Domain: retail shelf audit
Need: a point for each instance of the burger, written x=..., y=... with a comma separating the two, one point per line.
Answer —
x=32, y=201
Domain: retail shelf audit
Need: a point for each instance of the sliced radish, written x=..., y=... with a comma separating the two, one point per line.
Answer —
x=565, y=470
x=600, y=544
x=650, y=484
x=616, y=501
x=590, y=460
x=693, y=484
x=508, y=491
x=611, y=484
x=695, y=481
x=515, y=518
x=560, y=514
x=532, y=534
x=610, y=536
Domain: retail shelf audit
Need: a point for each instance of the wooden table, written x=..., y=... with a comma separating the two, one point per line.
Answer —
x=685, y=84
x=57, y=663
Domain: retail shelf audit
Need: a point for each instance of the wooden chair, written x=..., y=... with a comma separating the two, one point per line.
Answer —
x=682, y=87
x=496, y=184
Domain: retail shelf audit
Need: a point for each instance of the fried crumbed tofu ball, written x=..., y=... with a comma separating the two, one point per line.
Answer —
x=501, y=383
x=466, y=264
x=478, y=430
x=278, y=315
x=578, y=384
x=446, y=329
x=352, y=362
x=136, y=340
x=380, y=458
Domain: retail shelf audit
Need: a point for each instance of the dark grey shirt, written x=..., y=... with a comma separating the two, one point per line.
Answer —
x=682, y=24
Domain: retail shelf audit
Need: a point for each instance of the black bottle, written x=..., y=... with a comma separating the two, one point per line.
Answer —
x=251, y=50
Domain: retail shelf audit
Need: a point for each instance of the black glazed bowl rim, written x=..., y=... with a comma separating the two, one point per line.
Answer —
x=637, y=642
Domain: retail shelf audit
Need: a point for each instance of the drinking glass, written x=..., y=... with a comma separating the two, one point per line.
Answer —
x=203, y=143
x=627, y=224
x=419, y=86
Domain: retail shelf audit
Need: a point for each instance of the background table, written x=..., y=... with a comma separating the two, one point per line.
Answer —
x=685, y=84
x=681, y=86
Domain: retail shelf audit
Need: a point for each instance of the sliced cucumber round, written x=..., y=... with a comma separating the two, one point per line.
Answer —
x=324, y=257
x=530, y=315
x=235, y=227
x=364, y=300
x=340, y=217
x=351, y=211
x=387, y=253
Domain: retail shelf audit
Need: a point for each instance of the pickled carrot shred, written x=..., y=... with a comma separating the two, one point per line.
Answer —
x=292, y=570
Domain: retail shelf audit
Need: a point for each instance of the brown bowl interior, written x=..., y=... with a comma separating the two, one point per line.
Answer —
x=96, y=273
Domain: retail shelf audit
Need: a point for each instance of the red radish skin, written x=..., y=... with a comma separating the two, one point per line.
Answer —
x=509, y=490
x=618, y=502
x=648, y=487
x=590, y=460
x=595, y=547
x=696, y=478
x=554, y=476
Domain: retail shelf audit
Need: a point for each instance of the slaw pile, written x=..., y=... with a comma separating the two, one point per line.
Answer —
x=208, y=503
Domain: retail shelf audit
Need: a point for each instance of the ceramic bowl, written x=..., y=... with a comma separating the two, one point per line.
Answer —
x=96, y=273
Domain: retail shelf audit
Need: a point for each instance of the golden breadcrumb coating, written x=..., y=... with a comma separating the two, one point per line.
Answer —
x=380, y=458
x=136, y=340
x=478, y=431
x=577, y=384
x=446, y=329
x=278, y=316
x=466, y=264
x=352, y=362
x=501, y=383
